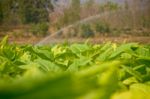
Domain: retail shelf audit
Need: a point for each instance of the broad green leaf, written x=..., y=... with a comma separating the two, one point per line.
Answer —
x=48, y=66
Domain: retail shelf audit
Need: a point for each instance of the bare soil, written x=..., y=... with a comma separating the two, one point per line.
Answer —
x=35, y=40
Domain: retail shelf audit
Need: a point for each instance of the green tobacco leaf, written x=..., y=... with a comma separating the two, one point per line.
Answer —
x=74, y=71
x=105, y=46
x=143, y=52
x=79, y=48
x=105, y=55
x=128, y=48
x=44, y=54
x=140, y=91
x=25, y=58
x=48, y=66
x=132, y=72
x=82, y=61
x=4, y=41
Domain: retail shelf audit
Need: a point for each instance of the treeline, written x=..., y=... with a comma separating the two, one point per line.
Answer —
x=78, y=11
x=24, y=11
x=130, y=18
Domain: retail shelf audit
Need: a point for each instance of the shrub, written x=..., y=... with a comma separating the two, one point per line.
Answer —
x=146, y=22
x=102, y=27
x=86, y=31
x=40, y=29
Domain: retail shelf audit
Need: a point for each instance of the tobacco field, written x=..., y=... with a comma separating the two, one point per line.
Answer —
x=75, y=71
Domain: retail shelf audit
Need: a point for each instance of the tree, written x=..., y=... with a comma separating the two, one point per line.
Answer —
x=1, y=13
x=71, y=14
x=89, y=3
x=126, y=5
x=75, y=8
x=34, y=11
x=28, y=11
x=5, y=10
x=90, y=8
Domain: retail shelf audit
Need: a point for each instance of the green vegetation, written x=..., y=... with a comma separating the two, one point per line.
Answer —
x=74, y=71
x=86, y=31
x=1, y=13
x=114, y=18
x=130, y=18
x=35, y=11
x=70, y=15
x=30, y=16
x=24, y=11
x=109, y=6
x=101, y=27
x=40, y=29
